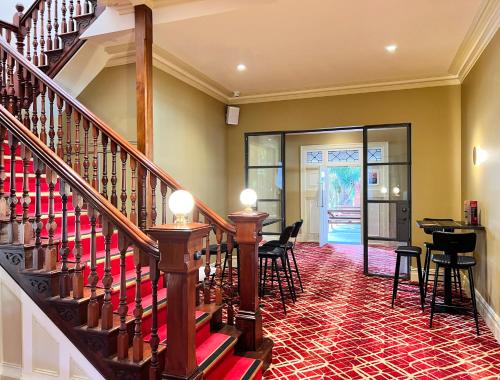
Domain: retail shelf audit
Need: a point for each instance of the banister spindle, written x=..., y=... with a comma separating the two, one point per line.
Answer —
x=26, y=98
x=77, y=249
x=3, y=77
x=133, y=195
x=27, y=29
x=64, y=279
x=19, y=92
x=206, y=281
x=50, y=44
x=69, y=148
x=86, y=163
x=107, y=280
x=34, y=105
x=230, y=307
x=34, y=16
x=93, y=306
x=138, y=340
x=114, y=179
x=52, y=134
x=123, y=194
x=163, y=190
x=42, y=32
x=154, y=341
x=123, y=338
x=3, y=203
x=64, y=19
x=57, y=43
x=78, y=8
x=153, y=181
x=95, y=162
x=104, y=179
x=17, y=22
x=143, y=213
x=43, y=117
x=38, y=251
x=60, y=103
x=76, y=119
x=13, y=231
x=26, y=230
x=51, y=252
x=71, y=8
x=218, y=268
x=11, y=92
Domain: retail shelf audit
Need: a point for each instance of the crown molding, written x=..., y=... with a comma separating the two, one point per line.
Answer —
x=482, y=30
x=450, y=80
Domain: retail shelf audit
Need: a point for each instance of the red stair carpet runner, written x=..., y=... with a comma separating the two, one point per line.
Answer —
x=342, y=327
x=214, y=351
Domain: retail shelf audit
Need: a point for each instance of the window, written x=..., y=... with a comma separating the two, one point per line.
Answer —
x=315, y=157
x=374, y=154
x=344, y=155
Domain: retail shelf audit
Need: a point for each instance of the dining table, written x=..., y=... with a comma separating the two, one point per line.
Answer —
x=446, y=225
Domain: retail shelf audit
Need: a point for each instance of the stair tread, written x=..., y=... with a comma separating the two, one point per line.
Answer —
x=242, y=368
x=130, y=278
x=201, y=319
x=147, y=302
x=213, y=349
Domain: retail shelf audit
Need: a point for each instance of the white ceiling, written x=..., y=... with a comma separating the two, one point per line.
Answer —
x=300, y=46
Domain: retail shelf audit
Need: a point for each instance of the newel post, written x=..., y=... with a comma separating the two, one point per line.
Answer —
x=249, y=318
x=180, y=258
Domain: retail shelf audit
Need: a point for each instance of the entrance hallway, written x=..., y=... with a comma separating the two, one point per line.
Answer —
x=342, y=327
x=344, y=233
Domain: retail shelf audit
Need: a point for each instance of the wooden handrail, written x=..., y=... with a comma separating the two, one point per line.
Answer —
x=129, y=148
x=8, y=26
x=88, y=193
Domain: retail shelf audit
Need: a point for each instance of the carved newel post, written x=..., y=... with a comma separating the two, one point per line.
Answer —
x=249, y=318
x=180, y=258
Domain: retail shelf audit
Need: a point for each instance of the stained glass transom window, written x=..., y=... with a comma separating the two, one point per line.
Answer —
x=315, y=157
x=374, y=154
x=344, y=155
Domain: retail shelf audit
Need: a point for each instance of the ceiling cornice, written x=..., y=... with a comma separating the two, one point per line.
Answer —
x=482, y=30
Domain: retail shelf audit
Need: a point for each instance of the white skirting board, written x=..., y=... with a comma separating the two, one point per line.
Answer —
x=489, y=316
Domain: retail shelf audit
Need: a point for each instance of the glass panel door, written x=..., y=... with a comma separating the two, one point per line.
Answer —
x=264, y=174
x=387, y=189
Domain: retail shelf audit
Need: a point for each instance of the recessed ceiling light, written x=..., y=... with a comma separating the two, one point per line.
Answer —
x=391, y=48
x=241, y=67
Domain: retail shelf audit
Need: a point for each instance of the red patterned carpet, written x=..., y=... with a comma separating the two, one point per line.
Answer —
x=342, y=327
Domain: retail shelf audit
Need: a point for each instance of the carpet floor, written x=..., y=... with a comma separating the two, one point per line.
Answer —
x=343, y=327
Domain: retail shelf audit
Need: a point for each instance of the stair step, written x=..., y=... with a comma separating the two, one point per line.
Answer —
x=238, y=368
x=213, y=350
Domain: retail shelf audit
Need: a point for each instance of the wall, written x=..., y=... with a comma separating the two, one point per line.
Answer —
x=481, y=126
x=433, y=112
x=189, y=128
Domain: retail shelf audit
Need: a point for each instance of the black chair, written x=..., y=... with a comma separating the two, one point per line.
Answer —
x=223, y=250
x=452, y=244
x=408, y=251
x=289, y=248
x=429, y=247
x=275, y=253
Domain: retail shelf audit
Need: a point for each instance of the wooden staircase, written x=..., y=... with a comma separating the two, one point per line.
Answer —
x=77, y=233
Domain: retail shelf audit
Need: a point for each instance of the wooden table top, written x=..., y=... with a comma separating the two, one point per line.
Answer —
x=459, y=225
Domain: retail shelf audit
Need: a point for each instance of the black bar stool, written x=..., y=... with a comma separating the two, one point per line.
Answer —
x=408, y=251
x=452, y=244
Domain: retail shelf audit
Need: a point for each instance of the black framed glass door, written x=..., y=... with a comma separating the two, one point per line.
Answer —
x=387, y=197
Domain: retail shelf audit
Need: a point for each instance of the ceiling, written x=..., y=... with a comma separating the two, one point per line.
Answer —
x=307, y=47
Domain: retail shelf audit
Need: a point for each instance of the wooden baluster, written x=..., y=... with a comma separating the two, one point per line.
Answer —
x=19, y=92
x=3, y=203
x=95, y=179
x=104, y=179
x=230, y=294
x=123, y=339
x=57, y=43
x=86, y=164
x=163, y=190
x=34, y=102
x=38, y=251
x=69, y=147
x=143, y=214
x=77, y=249
x=93, y=306
x=11, y=92
x=154, y=340
x=206, y=282
x=71, y=26
x=78, y=10
x=123, y=195
x=64, y=279
x=218, y=268
x=26, y=98
x=13, y=231
x=138, y=340
x=196, y=215
x=26, y=231
x=34, y=16
x=114, y=179
x=17, y=22
x=153, y=181
x=107, y=280
x=28, y=38
x=42, y=33
x=50, y=44
x=60, y=103
x=3, y=77
x=64, y=20
x=52, y=133
x=51, y=253
x=133, y=195
x=43, y=117
x=76, y=164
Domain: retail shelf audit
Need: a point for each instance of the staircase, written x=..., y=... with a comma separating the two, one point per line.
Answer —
x=76, y=204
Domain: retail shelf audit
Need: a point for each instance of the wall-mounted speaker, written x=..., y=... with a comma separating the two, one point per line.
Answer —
x=232, y=115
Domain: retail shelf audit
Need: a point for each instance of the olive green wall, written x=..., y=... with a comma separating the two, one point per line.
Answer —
x=189, y=128
x=481, y=126
x=434, y=113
